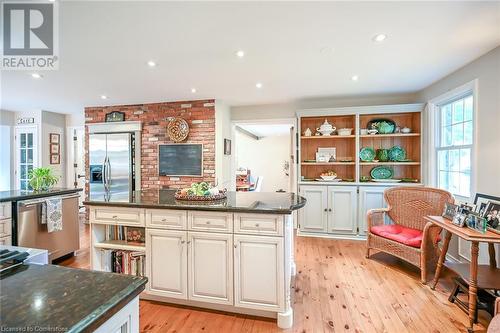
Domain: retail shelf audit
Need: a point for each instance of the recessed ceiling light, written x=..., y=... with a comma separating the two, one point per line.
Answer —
x=240, y=54
x=379, y=38
x=355, y=78
x=104, y=97
x=258, y=85
x=151, y=63
x=193, y=90
x=36, y=76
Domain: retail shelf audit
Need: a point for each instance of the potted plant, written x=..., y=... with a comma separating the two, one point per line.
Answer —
x=42, y=179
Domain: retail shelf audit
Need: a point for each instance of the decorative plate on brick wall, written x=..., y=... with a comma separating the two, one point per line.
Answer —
x=178, y=129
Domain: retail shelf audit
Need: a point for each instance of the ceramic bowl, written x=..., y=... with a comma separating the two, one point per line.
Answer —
x=328, y=177
x=372, y=131
x=344, y=131
x=363, y=131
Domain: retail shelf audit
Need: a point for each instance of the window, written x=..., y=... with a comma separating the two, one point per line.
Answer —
x=455, y=144
x=26, y=155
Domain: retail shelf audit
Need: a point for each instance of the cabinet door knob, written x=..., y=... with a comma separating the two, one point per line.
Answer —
x=257, y=225
x=235, y=245
x=329, y=209
x=208, y=222
x=326, y=209
x=182, y=242
x=114, y=216
x=189, y=242
x=164, y=220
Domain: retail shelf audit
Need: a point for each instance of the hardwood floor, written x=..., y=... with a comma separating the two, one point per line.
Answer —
x=336, y=290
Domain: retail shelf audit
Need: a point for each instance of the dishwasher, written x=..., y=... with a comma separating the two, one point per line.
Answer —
x=32, y=233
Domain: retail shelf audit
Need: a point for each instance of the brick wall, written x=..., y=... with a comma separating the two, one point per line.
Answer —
x=200, y=116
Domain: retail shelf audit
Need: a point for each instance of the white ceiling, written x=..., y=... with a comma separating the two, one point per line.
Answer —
x=266, y=130
x=296, y=49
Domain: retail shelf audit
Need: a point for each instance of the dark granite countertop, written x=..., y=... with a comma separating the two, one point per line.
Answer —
x=16, y=195
x=245, y=202
x=63, y=299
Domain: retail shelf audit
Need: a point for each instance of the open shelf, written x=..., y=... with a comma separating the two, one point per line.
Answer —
x=323, y=137
x=328, y=163
x=389, y=163
x=389, y=135
x=120, y=245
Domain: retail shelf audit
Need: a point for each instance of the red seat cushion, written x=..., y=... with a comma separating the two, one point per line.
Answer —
x=400, y=234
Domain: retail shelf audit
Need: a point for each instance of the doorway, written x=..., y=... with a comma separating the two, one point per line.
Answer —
x=264, y=155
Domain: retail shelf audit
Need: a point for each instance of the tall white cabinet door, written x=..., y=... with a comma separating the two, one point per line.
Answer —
x=369, y=198
x=166, y=262
x=259, y=272
x=210, y=263
x=313, y=217
x=342, y=203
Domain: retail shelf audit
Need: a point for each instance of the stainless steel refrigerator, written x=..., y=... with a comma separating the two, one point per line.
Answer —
x=111, y=166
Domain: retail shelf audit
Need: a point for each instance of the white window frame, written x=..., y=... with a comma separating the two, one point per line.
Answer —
x=434, y=125
x=19, y=130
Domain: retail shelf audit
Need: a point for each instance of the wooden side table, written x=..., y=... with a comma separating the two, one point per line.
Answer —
x=475, y=237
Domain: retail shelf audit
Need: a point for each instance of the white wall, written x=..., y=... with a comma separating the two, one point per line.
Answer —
x=7, y=121
x=54, y=123
x=486, y=70
x=264, y=157
x=222, y=131
x=287, y=110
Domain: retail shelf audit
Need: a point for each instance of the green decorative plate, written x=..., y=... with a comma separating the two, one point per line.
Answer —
x=367, y=154
x=381, y=172
x=397, y=154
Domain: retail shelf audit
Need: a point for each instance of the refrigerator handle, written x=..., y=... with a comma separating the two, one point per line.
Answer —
x=108, y=174
x=103, y=172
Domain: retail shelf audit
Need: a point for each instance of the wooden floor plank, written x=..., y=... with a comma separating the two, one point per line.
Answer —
x=336, y=290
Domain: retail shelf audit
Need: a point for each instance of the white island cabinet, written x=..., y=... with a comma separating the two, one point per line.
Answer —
x=230, y=261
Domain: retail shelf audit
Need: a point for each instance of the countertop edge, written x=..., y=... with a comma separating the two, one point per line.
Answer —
x=100, y=315
x=285, y=211
x=34, y=195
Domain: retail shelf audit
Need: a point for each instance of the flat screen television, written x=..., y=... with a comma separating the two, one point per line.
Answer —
x=183, y=159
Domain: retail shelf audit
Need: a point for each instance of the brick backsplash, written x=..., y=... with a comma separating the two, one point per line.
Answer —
x=200, y=116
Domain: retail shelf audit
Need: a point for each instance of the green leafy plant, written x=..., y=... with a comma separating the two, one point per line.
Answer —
x=41, y=179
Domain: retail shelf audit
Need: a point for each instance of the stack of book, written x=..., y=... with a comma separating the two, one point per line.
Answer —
x=129, y=234
x=125, y=262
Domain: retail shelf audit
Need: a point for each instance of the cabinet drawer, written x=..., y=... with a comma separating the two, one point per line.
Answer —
x=5, y=227
x=258, y=224
x=6, y=240
x=5, y=210
x=210, y=221
x=166, y=219
x=117, y=215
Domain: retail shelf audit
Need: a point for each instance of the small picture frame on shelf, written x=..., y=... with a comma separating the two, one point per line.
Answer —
x=54, y=148
x=55, y=159
x=476, y=222
x=459, y=219
x=54, y=138
x=487, y=206
x=450, y=210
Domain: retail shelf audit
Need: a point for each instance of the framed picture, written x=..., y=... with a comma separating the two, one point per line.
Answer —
x=55, y=159
x=115, y=116
x=54, y=148
x=227, y=147
x=459, y=219
x=492, y=216
x=481, y=201
x=54, y=138
x=449, y=211
x=476, y=222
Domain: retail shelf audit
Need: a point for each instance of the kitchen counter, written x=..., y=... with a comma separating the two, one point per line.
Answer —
x=60, y=299
x=17, y=195
x=243, y=202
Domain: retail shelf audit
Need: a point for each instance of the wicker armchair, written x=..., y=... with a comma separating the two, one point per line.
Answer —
x=417, y=242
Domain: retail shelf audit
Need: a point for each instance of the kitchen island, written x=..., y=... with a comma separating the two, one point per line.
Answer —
x=233, y=255
x=49, y=298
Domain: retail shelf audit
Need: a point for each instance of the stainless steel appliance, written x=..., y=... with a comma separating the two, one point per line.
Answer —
x=32, y=233
x=111, y=164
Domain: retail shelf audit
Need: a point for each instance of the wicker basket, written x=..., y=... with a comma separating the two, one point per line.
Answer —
x=221, y=195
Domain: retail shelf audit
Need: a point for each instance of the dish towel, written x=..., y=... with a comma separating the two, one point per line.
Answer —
x=52, y=214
